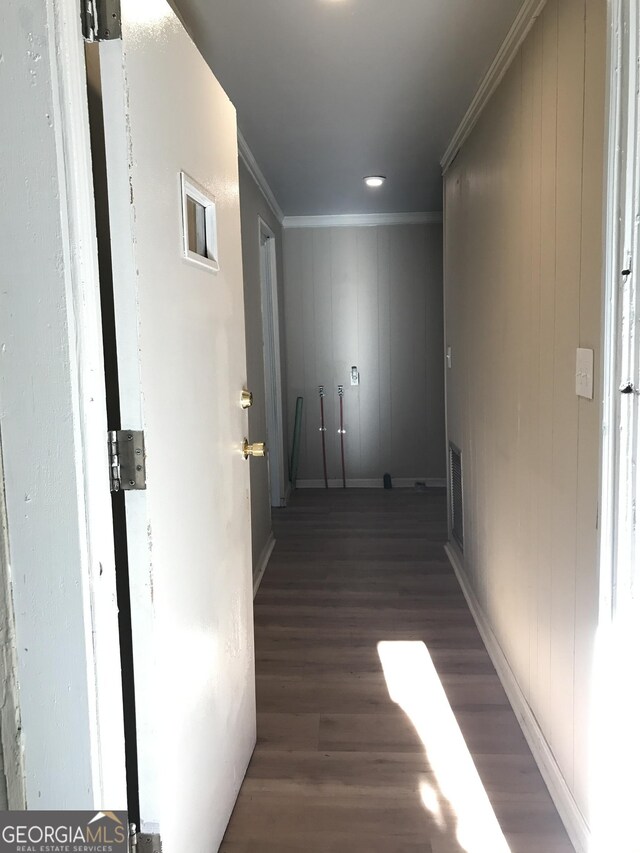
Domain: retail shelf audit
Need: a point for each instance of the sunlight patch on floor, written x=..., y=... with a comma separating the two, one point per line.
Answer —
x=431, y=802
x=415, y=686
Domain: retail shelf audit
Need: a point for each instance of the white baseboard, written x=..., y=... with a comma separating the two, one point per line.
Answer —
x=377, y=483
x=262, y=563
x=570, y=814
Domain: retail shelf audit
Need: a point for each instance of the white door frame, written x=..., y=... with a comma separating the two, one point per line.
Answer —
x=12, y=744
x=52, y=405
x=616, y=685
x=621, y=418
x=272, y=362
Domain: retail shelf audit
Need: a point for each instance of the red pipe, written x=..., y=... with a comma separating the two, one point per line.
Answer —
x=342, y=432
x=323, y=430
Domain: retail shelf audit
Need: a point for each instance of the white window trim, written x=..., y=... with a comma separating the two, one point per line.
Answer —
x=191, y=189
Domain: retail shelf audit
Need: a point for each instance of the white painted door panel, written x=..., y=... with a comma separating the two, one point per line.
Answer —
x=182, y=366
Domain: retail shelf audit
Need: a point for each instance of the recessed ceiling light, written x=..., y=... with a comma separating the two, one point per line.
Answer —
x=375, y=180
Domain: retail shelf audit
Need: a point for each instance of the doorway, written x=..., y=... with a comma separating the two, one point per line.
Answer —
x=272, y=362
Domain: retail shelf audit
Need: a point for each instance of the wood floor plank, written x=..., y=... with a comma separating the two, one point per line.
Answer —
x=339, y=767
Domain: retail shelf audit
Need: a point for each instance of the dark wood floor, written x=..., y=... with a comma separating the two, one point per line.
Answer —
x=339, y=767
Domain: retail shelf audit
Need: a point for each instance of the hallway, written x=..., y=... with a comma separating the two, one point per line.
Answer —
x=339, y=766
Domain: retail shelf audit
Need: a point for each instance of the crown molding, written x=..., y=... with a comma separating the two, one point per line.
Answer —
x=256, y=173
x=520, y=28
x=343, y=220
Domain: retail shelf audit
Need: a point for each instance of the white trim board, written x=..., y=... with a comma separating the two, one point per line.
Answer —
x=525, y=19
x=346, y=220
x=245, y=154
x=263, y=562
x=562, y=797
x=398, y=483
x=11, y=735
x=272, y=361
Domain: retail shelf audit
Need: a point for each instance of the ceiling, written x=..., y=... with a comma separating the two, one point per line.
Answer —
x=328, y=91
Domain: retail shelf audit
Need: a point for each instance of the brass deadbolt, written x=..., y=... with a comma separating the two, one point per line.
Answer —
x=246, y=399
x=258, y=448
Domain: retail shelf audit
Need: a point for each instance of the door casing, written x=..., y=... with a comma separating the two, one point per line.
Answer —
x=616, y=685
x=272, y=362
x=54, y=423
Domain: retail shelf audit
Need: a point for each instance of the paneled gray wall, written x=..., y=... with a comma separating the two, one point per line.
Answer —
x=370, y=297
x=252, y=206
x=524, y=290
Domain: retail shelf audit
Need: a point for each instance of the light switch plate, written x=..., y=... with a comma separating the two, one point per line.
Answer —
x=584, y=373
x=355, y=376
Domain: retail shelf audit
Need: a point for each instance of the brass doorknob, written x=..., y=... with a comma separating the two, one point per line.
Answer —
x=258, y=448
x=246, y=399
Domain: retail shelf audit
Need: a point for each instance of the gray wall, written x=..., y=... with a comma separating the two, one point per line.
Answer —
x=370, y=297
x=252, y=206
x=523, y=291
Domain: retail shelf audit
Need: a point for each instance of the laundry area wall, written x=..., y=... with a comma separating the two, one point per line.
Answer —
x=369, y=297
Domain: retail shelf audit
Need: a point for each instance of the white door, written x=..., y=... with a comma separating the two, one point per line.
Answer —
x=181, y=360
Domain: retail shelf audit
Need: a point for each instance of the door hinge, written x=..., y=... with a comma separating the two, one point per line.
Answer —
x=147, y=843
x=100, y=20
x=141, y=842
x=127, y=467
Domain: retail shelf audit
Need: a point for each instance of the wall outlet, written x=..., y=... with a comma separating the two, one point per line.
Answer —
x=355, y=376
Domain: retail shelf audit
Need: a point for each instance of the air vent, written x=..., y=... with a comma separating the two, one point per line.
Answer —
x=455, y=494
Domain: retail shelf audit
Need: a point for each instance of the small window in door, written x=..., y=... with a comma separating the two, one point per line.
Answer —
x=199, y=227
